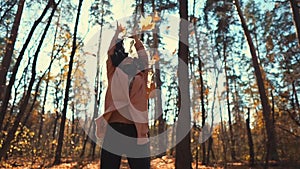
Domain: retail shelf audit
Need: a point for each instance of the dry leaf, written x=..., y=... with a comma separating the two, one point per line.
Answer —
x=156, y=18
x=146, y=23
x=156, y=57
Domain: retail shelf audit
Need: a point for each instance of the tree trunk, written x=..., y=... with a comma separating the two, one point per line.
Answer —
x=98, y=92
x=6, y=60
x=210, y=150
x=183, y=149
x=43, y=109
x=158, y=100
x=9, y=119
x=223, y=133
x=296, y=16
x=12, y=79
x=73, y=132
x=86, y=137
x=55, y=124
x=270, y=128
x=231, y=139
x=58, y=151
x=23, y=108
x=250, y=140
x=295, y=95
x=200, y=63
x=6, y=11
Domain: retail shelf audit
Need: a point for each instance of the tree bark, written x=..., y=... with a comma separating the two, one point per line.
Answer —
x=270, y=128
x=10, y=47
x=250, y=140
x=200, y=63
x=158, y=100
x=183, y=149
x=58, y=151
x=23, y=108
x=12, y=79
x=6, y=60
x=231, y=139
x=296, y=16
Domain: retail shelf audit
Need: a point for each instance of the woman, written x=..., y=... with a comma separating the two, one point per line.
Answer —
x=125, y=121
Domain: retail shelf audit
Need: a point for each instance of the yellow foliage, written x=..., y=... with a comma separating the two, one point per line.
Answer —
x=31, y=134
x=156, y=18
x=146, y=23
x=156, y=57
x=68, y=35
x=206, y=91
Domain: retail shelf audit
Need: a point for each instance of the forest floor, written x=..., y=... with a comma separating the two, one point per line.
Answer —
x=158, y=163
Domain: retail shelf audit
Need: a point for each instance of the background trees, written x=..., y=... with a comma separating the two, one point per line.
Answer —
x=242, y=79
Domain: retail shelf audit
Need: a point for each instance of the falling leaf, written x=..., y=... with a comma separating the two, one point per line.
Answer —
x=68, y=35
x=146, y=23
x=156, y=57
x=89, y=53
x=206, y=91
x=174, y=52
x=156, y=18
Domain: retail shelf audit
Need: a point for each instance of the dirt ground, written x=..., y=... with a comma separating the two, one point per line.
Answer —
x=158, y=163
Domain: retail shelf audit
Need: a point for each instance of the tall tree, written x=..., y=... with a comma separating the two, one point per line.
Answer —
x=23, y=108
x=183, y=148
x=58, y=151
x=296, y=15
x=250, y=140
x=5, y=64
x=7, y=94
x=201, y=84
x=270, y=128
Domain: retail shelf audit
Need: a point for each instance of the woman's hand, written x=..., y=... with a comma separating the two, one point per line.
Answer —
x=119, y=29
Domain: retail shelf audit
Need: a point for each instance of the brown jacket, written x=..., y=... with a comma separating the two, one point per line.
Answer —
x=118, y=98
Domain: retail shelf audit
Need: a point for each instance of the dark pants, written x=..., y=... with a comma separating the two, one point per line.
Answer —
x=116, y=144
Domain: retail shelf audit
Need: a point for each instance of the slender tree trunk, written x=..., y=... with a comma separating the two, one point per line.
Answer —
x=28, y=113
x=6, y=12
x=58, y=151
x=143, y=14
x=48, y=70
x=200, y=64
x=270, y=128
x=158, y=99
x=296, y=16
x=43, y=111
x=12, y=79
x=97, y=91
x=73, y=133
x=55, y=124
x=47, y=81
x=231, y=139
x=296, y=96
x=250, y=140
x=6, y=60
x=295, y=103
x=7, y=124
x=7, y=142
x=86, y=138
x=273, y=107
x=223, y=133
x=183, y=149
